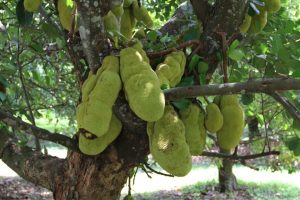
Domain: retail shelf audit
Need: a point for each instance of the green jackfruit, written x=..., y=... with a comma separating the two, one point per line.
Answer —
x=141, y=14
x=145, y=96
x=111, y=22
x=127, y=23
x=233, y=125
x=139, y=46
x=172, y=68
x=272, y=5
x=195, y=133
x=65, y=11
x=259, y=21
x=127, y=3
x=168, y=145
x=246, y=24
x=97, y=117
x=99, y=144
x=88, y=86
x=214, y=118
x=32, y=5
x=140, y=33
x=118, y=10
x=228, y=100
x=99, y=92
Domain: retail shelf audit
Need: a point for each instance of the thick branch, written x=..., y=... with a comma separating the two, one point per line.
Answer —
x=287, y=105
x=18, y=124
x=236, y=157
x=202, y=9
x=252, y=86
x=32, y=165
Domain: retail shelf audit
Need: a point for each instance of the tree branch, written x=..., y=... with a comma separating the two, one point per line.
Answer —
x=240, y=158
x=294, y=112
x=18, y=124
x=32, y=165
x=202, y=9
x=252, y=86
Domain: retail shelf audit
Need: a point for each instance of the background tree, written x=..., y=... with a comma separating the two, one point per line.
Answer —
x=51, y=65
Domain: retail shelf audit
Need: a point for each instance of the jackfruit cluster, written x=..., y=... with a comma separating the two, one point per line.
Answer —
x=171, y=70
x=94, y=114
x=31, y=5
x=195, y=133
x=66, y=13
x=233, y=122
x=256, y=23
x=141, y=84
x=167, y=142
x=213, y=118
x=123, y=19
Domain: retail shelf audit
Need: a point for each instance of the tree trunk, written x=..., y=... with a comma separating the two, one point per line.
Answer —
x=227, y=180
x=92, y=177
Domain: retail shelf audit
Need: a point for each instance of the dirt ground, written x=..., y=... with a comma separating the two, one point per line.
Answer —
x=16, y=188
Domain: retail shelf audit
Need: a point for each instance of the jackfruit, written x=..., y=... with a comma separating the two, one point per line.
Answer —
x=195, y=133
x=140, y=33
x=32, y=5
x=228, y=100
x=111, y=22
x=99, y=91
x=127, y=3
x=172, y=68
x=168, y=145
x=97, y=117
x=127, y=23
x=229, y=135
x=214, y=118
x=139, y=46
x=145, y=96
x=272, y=5
x=246, y=24
x=65, y=11
x=99, y=144
x=141, y=14
x=118, y=11
x=259, y=21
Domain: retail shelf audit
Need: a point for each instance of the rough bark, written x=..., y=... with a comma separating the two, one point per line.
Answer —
x=227, y=180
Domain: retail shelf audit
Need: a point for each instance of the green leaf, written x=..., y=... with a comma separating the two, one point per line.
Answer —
x=236, y=54
x=192, y=34
x=50, y=30
x=186, y=81
x=276, y=44
x=296, y=73
x=24, y=17
x=234, y=44
x=296, y=125
x=152, y=36
x=247, y=99
x=193, y=63
x=202, y=67
x=2, y=96
x=3, y=81
x=181, y=104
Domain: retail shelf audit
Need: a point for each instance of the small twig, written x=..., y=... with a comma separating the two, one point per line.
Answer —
x=243, y=162
x=225, y=56
x=267, y=143
x=152, y=55
x=236, y=157
x=20, y=67
x=157, y=172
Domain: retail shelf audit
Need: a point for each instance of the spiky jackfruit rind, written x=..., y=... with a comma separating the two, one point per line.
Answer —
x=88, y=86
x=259, y=21
x=246, y=24
x=141, y=14
x=272, y=5
x=65, y=11
x=213, y=118
x=139, y=47
x=145, y=97
x=230, y=133
x=32, y=5
x=195, y=133
x=118, y=10
x=127, y=3
x=98, y=145
x=168, y=145
x=127, y=23
x=227, y=100
x=111, y=22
